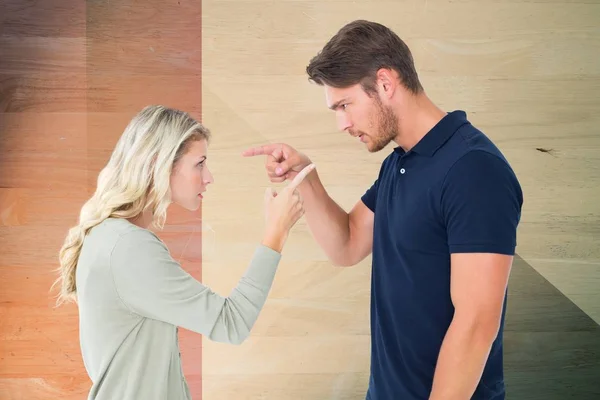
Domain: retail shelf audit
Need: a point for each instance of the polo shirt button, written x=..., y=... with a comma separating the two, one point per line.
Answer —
x=402, y=170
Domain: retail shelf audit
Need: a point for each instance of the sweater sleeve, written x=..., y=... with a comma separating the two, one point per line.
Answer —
x=152, y=284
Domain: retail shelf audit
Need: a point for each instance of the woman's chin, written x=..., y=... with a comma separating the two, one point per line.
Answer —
x=193, y=205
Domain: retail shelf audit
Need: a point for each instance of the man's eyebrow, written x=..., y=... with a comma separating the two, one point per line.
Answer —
x=338, y=103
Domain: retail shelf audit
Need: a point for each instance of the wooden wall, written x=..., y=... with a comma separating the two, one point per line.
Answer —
x=71, y=76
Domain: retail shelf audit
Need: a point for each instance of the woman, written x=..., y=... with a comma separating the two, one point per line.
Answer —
x=132, y=295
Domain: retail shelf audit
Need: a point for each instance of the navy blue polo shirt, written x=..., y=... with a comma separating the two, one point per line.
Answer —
x=452, y=192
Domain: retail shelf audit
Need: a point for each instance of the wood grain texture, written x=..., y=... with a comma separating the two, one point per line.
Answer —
x=552, y=348
x=73, y=73
x=526, y=72
x=71, y=76
x=43, y=146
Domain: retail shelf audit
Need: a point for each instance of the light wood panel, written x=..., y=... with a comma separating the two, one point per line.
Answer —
x=525, y=72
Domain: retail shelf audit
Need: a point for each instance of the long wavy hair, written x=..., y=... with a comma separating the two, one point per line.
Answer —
x=136, y=179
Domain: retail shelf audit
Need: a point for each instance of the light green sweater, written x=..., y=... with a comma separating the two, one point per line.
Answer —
x=132, y=296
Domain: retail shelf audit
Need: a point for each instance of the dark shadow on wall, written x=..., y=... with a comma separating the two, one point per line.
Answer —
x=551, y=347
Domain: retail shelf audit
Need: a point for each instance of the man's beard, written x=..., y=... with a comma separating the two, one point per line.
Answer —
x=388, y=127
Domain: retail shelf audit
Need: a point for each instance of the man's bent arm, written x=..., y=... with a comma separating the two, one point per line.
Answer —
x=346, y=238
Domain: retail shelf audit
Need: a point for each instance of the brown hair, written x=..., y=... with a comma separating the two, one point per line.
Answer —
x=355, y=54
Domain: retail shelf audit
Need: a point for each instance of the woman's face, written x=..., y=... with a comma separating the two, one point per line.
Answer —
x=191, y=176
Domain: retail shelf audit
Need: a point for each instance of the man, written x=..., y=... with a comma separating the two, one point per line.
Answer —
x=440, y=221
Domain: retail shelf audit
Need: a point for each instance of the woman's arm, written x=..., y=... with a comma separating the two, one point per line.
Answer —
x=151, y=283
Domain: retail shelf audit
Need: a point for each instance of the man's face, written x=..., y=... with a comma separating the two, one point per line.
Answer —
x=363, y=116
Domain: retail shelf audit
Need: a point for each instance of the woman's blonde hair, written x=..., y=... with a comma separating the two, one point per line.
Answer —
x=135, y=179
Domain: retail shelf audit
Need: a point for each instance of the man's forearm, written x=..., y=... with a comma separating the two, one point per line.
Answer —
x=328, y=222
x=461, y=361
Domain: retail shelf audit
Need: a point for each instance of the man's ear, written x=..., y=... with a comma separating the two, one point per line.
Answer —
x=387, y=81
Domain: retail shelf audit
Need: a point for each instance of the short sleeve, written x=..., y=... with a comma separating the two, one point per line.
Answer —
x=481, y=204
x=152, y=284
x=370, y=196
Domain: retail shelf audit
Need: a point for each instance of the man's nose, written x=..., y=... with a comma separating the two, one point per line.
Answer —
x=343, y=122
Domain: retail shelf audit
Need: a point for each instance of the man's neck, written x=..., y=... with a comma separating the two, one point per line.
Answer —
x=418, y=116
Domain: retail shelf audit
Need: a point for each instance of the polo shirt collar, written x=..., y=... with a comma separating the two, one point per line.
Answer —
x=439, y=134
